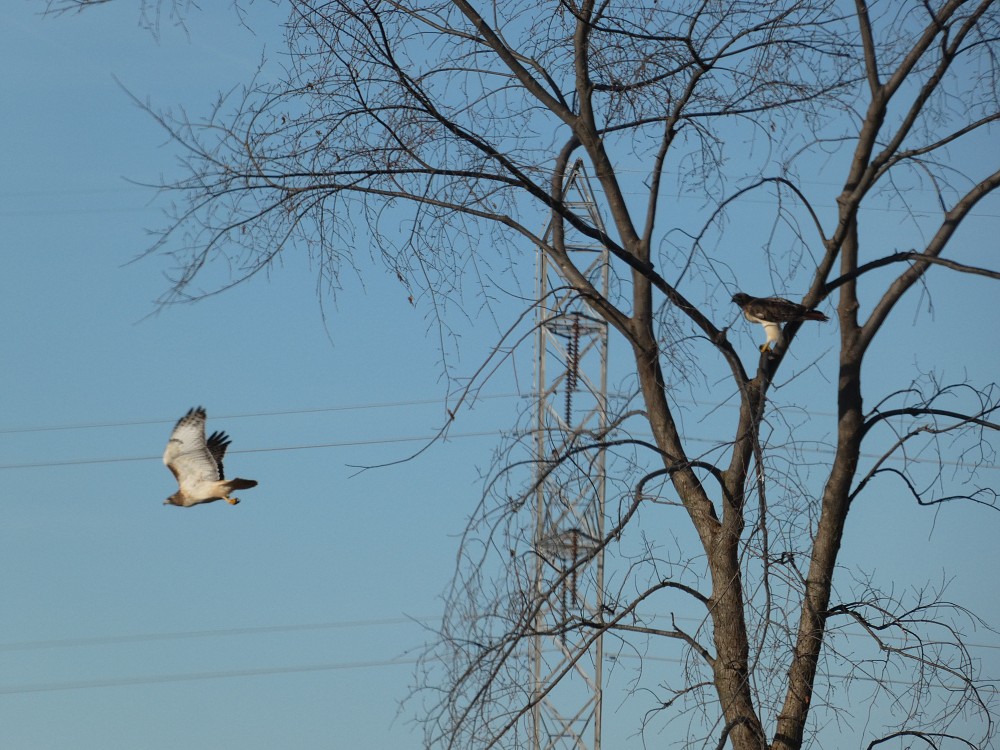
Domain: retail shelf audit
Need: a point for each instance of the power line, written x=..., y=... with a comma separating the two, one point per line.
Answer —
x=47, y=687
x=108, y=640
x=451, y=436
x=246, y=415
x=287, y=412
x=255, y=671
x=428, y=438
x=311, y=446
x=374, y=441
x=671, y=196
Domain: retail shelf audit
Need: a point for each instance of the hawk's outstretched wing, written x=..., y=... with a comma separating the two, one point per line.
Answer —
x=218, y=441
x=188, y=455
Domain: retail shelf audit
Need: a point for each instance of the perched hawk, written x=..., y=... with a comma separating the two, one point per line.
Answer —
x=771, y=312
x=197, y=463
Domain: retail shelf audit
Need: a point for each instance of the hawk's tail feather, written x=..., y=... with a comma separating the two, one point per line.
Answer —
x=240, y=484
x=815, y=315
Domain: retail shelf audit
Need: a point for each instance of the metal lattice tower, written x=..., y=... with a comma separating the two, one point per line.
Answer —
x=571, y=387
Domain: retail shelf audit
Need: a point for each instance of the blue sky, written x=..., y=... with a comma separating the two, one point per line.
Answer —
x=290, y=620
x=87, y=549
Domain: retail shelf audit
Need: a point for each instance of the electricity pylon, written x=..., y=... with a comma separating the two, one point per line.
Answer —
x=571, y=412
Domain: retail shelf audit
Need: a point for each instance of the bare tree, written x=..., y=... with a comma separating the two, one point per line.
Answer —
x=153, y=14
x=445, y=131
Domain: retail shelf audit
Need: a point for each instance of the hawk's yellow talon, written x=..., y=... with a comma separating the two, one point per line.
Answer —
x=232, y=500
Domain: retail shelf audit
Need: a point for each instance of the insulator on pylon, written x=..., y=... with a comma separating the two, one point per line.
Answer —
x=572, y=365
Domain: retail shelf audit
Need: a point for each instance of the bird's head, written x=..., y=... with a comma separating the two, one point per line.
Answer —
x=741, y=299
x=174, y=499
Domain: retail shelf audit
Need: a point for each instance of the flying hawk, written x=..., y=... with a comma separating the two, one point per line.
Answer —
x=771, y=312
x=197, y=463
